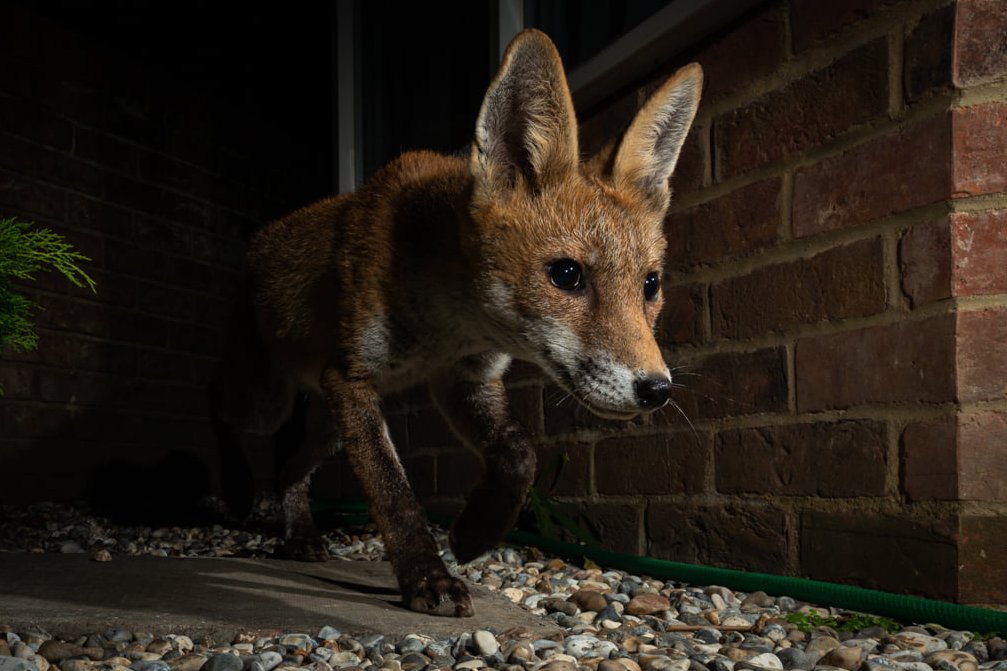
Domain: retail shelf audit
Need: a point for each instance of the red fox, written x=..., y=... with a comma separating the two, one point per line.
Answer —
x=441, y=270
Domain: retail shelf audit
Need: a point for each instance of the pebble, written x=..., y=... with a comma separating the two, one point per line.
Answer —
x=612, y=621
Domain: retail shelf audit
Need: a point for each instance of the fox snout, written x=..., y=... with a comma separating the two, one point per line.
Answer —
x=652, y=392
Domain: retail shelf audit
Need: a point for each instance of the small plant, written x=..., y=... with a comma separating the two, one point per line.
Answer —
x=854, y=622
x=23, y=252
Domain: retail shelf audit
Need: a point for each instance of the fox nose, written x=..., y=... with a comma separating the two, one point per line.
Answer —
x=652, y=392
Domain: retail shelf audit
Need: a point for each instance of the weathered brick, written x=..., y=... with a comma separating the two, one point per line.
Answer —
x=858, y=546
x=106, y=150
x=29, y=121
x=981, y=356
x=526, y=408
x=648, y=465
x=929, y=460
x=839, y=283
x=982, y=453
x=617, y=525
x=906, y=361
x=822, y=459
x=927, y=56
x=564, y=469
x=457, y=473
x=139, y=328
x=750, y=537
x=733, y=225
x=925, y=262
x=163, y=300
x=979, y=248
x=730, y=384
x=980, y=51
x=982, y=547
x=22, y=196
x=95, y=215
x=751, y=50
x=874, y=179
x=428, y=429
x=980, y=143
x=64, y=314
x=681, y=318
x=812, y=21
x=806, y=113
x=601, y=131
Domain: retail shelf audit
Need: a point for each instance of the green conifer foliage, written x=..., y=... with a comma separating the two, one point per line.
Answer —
x=24, y=251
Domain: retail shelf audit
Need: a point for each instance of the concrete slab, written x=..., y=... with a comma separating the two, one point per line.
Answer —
x=69, y=595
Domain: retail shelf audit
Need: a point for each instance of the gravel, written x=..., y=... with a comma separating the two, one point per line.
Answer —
x=611, y=620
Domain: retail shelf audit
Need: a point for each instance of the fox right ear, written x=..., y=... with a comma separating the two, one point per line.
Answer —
x=651, y=145
x=526, y=133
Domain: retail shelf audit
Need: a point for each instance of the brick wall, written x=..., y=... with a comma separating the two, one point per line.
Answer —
x=836, y=306
x=156, y=158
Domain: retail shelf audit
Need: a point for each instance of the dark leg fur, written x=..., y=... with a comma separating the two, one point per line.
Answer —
x=477, y=411
x=424, y=580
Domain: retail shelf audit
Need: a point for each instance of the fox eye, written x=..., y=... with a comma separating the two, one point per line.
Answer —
x=650, y=287
x=565, y=274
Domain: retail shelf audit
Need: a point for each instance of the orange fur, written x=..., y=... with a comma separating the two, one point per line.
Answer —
x=439, y=270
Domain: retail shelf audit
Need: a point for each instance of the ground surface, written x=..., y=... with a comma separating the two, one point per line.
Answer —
x=69, y=594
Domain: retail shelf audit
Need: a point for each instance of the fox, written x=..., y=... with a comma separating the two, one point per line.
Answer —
x=441, y=271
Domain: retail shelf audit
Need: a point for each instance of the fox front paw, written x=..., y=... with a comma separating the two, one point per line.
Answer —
x=439, y=595
x=304, y=548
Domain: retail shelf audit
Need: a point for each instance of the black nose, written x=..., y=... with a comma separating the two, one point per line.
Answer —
x=652, y=392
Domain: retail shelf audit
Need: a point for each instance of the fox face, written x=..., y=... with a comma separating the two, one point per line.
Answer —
x=571, y=261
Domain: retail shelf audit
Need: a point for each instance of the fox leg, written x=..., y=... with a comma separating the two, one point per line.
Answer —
x=301, y=539
x=473, y=400
x=424, y=580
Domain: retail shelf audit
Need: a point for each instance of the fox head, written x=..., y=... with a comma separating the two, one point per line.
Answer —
x=569, y=262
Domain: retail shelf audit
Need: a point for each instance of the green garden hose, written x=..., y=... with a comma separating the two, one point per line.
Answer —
x=896, y=606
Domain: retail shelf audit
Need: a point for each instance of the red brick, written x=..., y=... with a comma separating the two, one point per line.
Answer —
x=822, y=459
x=457, y=473
x=63, y=314
x=750, y=537
x=982, y=453
x=33, y=123
x=927, y=59
x=982, y=547
x=730, y=384
x=980, y=52
x=110, y=152
x=22, y=197
x=875, y=179
x=428, y=429
x=925, y=262
x=139, y=328
x=840, y=283
x=807, y=113
x=682, y=316
x=649, y=465
x=979, y=249
x=859, y=546
x=16, y=381
x=906, y=361
x=982, y=355
x=929, y=460
x=980, y=144
x=616, y=525
x=812, y=20
x=751, y=50
x=95, y=215
x=739, y=223
x=526, y=408
x=601, y=131
x=166, y=301
x=564, y=469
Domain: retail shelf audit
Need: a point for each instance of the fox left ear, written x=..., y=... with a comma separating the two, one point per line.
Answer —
x=651, y=145
x=526, y=134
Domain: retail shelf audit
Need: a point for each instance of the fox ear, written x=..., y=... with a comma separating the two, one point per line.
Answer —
x=651, y=145
x=526, y=132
